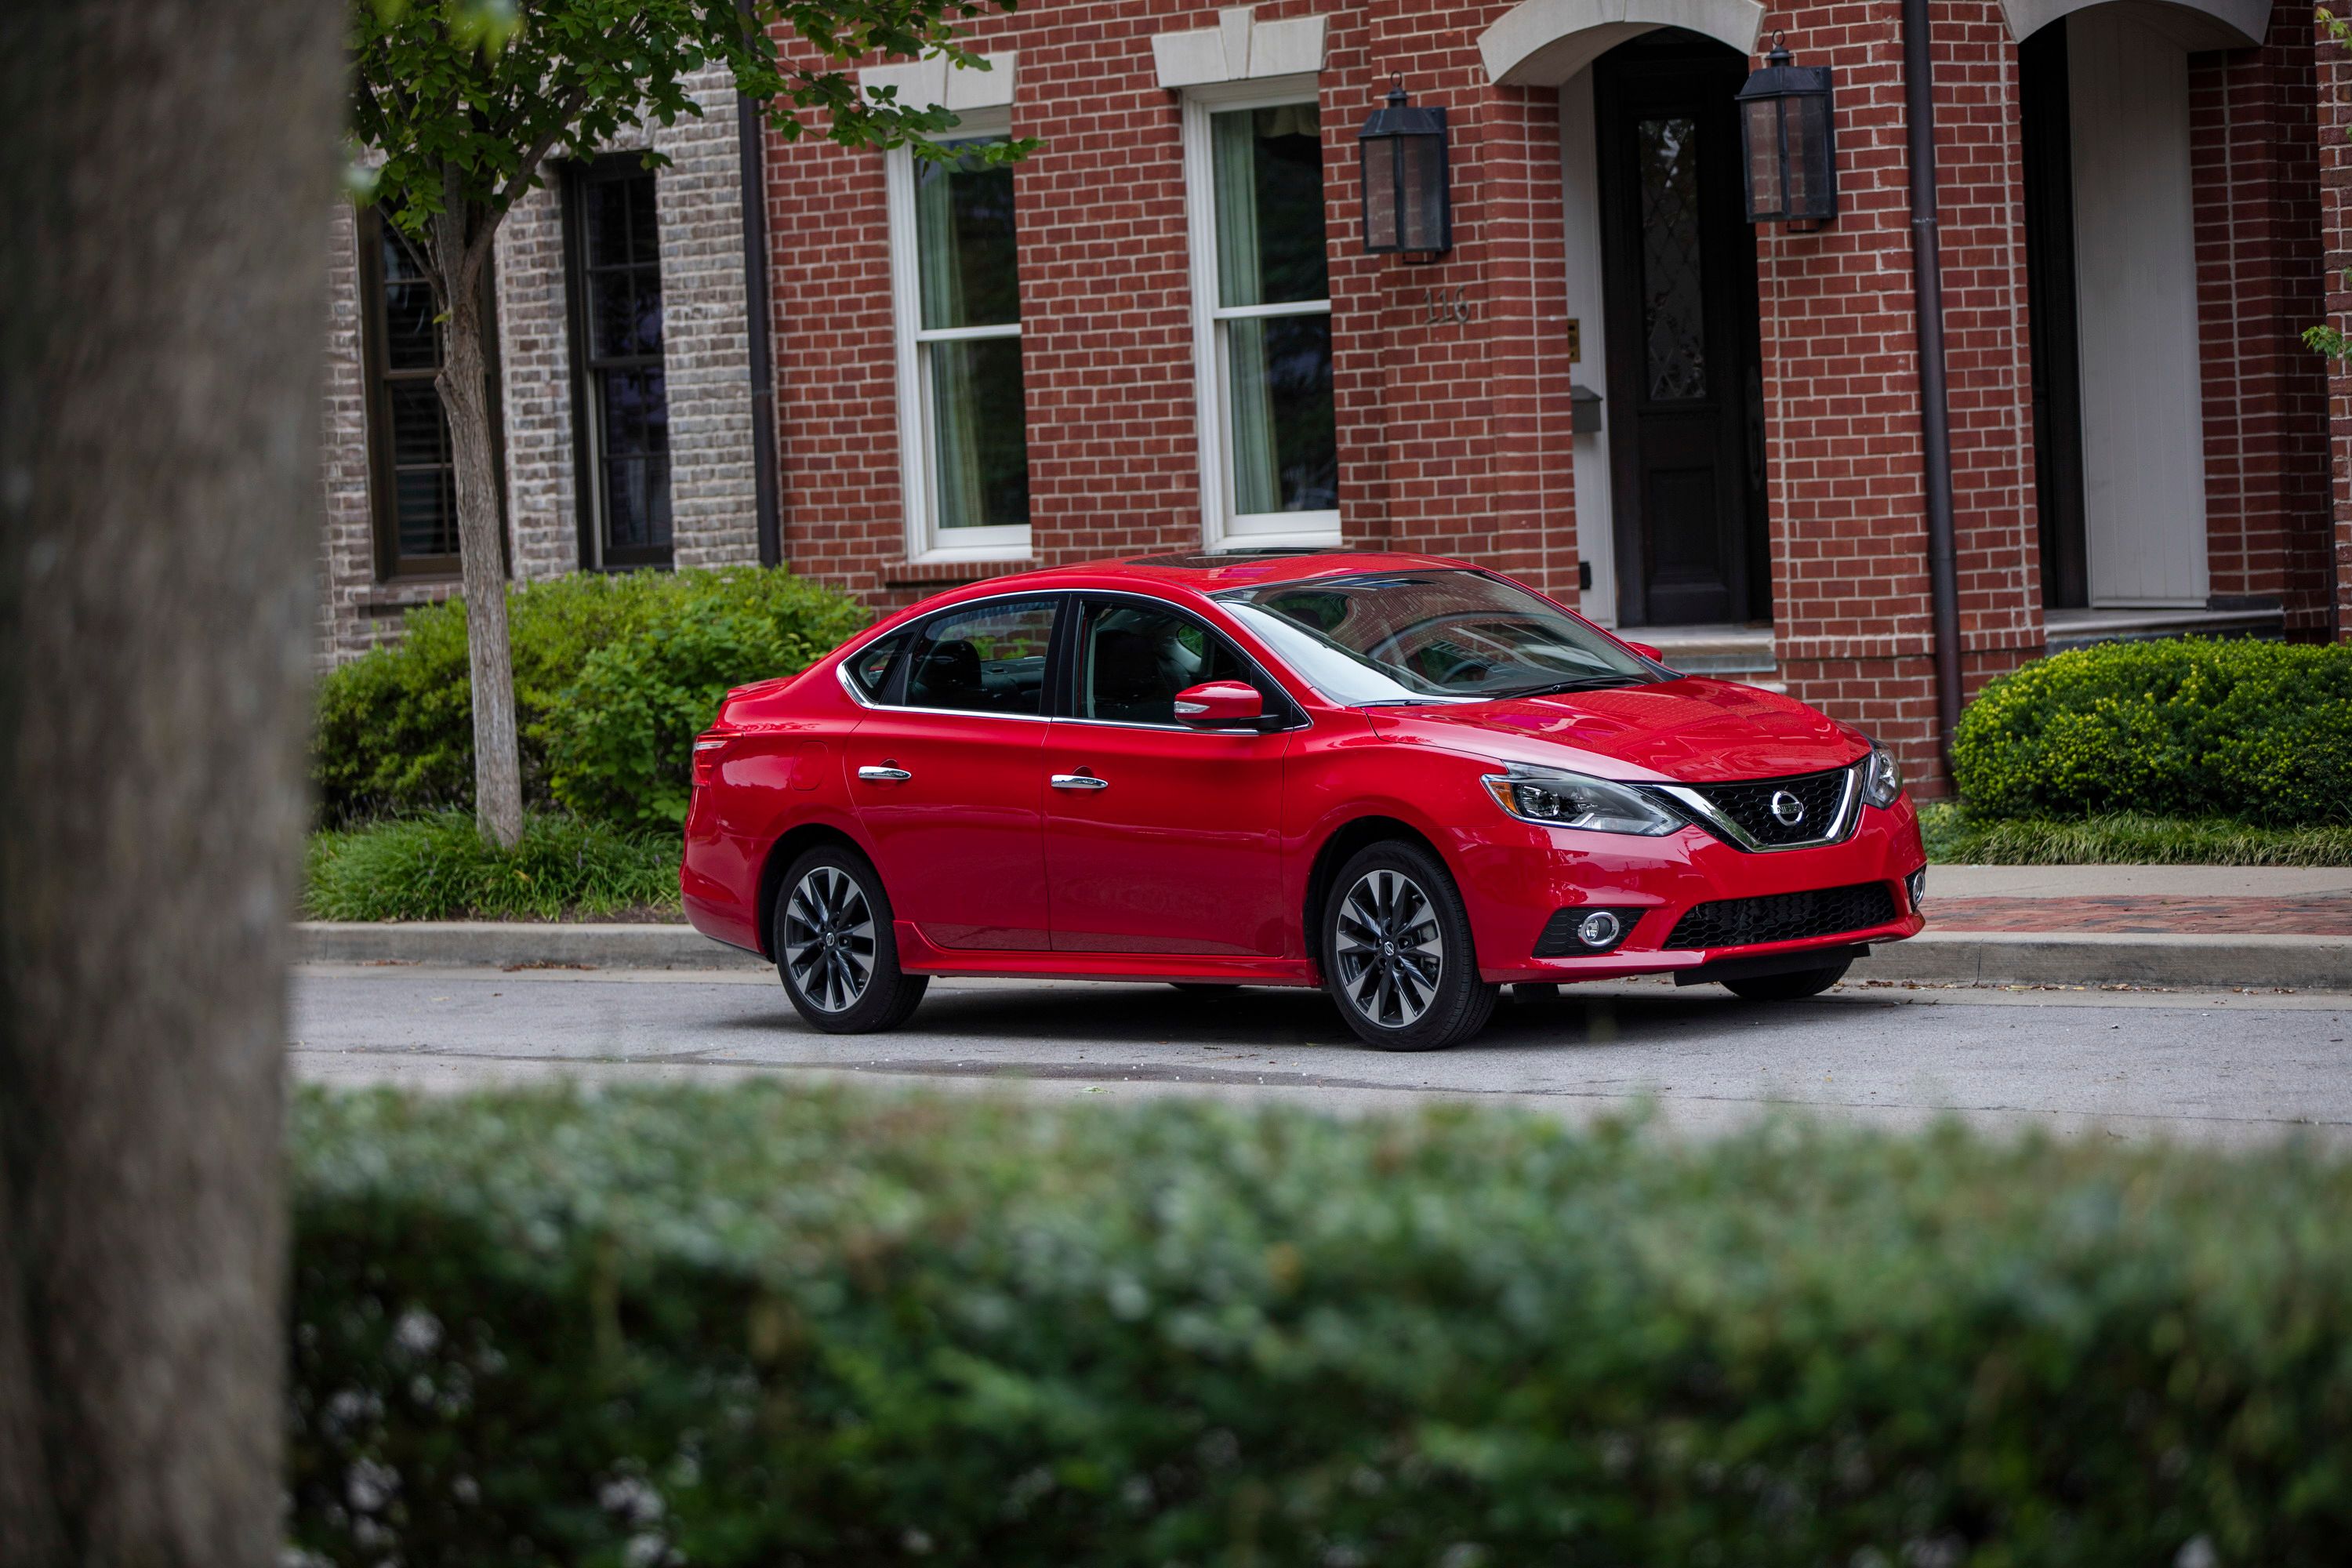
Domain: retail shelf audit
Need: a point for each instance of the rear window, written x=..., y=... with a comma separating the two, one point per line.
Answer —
x=869, y=667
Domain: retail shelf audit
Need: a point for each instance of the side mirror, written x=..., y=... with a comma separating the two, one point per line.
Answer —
x=1646, y=651
x=1220, y=705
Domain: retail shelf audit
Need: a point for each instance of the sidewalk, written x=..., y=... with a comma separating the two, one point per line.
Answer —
x=2234, y=900
x=2180, y=927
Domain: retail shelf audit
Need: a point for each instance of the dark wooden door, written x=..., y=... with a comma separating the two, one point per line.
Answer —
x=2047, y=138
x=1678, y=275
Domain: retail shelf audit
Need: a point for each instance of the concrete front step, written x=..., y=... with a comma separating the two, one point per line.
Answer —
x=2185, y=962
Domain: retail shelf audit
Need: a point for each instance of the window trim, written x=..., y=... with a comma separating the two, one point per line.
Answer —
x=916, y=420
x=1222, y=527
x=383, y=488
x=590, y=503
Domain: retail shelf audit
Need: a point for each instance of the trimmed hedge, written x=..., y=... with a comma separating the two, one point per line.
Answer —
x=613, y=676
x=772, y=1326
x=2256, y=732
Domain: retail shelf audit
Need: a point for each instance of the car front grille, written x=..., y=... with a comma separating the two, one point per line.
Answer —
x=1783, y=917
x=1749, y=806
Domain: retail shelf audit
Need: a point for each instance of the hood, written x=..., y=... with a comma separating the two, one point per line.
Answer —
x=1687, y=730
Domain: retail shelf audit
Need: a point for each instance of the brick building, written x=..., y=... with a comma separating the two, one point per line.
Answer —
x=623, y=379
x=1162, y=331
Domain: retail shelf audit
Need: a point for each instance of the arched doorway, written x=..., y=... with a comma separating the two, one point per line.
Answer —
x=1660, y=272
x=2111, y=294
x=1684, y=416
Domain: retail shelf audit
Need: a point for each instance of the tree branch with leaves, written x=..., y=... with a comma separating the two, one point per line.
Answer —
x=457, y=106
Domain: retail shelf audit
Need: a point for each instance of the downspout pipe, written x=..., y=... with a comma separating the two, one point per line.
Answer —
x=1934, y=407
x=752, y=148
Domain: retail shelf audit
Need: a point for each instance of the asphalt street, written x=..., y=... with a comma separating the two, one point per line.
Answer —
x=2228, y=1067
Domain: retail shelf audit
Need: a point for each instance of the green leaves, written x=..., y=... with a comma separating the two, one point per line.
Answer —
x=766, y=1325
x=464, y=100
x=614, y=674
x=2257, y=731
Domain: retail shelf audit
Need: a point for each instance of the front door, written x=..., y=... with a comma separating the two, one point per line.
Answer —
x=1159, y=839
x=1685, y=398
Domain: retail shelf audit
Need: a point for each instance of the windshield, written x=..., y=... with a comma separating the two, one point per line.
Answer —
x=1430, y=634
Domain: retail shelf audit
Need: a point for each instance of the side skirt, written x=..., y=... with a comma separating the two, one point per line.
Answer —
x=918, y=955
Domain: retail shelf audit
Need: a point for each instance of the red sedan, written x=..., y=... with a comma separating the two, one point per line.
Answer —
x=1403, y=779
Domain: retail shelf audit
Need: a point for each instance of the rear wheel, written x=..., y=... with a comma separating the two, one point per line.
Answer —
x=835, y=948
x=1791, y=986
x=1397, y=955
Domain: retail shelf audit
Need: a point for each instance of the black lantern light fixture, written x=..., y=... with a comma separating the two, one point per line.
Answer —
x=1787, y=133
x=1408, y=208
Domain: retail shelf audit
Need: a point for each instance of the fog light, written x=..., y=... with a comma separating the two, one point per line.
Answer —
x=1598, y=929
x=1916, y=883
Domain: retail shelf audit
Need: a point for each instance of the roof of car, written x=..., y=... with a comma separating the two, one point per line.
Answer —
x=1209, y=574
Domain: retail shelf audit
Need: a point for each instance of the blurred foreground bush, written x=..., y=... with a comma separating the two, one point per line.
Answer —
x=614, y=673
x=2257, y=731
x=764, y=1326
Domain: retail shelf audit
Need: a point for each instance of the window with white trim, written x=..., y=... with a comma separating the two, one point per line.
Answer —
x=1262, y=314
x=956, y=292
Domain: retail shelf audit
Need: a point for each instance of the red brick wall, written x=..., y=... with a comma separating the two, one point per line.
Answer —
x=1453, y=435
x=1843, y=433
x=2334, y=74
x=2255, y=165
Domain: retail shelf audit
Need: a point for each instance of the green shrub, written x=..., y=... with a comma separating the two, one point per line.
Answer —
x=2256, y=732
x=395, y=727
x=776, y=1326
x=438, y=868
x=1956, y=837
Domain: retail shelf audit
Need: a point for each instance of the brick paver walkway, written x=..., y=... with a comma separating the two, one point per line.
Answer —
x=2240, y=916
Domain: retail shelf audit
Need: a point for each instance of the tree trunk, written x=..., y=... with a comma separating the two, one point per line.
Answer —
x=464, y=384
x=166, y=188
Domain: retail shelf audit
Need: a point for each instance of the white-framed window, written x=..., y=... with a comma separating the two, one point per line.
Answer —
x=1261, y=313
x=956, y=296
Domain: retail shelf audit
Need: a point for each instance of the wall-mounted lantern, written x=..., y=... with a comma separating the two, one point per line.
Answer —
x=1788, y=134
x=1408, y=207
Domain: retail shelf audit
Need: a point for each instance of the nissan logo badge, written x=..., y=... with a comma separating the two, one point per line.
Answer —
x=1787, y=809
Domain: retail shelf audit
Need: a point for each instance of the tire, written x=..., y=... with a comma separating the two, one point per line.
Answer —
x=1422, y=993
x=834, y=891
x=1790, y=987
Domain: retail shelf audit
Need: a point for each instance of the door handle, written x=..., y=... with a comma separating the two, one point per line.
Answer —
x=884, y=775
x=1079, y=781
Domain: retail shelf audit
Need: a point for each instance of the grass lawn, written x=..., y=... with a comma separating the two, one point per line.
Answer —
x=2124, y=838
x=436, y=868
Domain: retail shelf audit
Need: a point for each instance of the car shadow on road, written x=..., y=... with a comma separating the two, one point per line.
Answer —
x=1265, y=1017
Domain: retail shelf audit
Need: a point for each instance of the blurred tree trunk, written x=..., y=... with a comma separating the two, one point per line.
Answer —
x=163, y=203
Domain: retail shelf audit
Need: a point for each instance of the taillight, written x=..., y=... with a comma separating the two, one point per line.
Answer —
x=706, y=751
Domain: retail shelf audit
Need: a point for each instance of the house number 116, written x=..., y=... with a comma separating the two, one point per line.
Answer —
x=1449, y=305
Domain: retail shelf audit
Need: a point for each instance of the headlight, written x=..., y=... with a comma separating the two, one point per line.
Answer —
x=1573, y=800
x=1881, y=777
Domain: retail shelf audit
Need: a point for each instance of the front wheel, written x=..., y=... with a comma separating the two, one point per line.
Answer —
x=835, y=947
x=1790, y=987
x=1397, y=956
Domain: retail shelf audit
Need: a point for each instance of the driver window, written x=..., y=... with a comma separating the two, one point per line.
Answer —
x=1134, y=659
x=987, y=659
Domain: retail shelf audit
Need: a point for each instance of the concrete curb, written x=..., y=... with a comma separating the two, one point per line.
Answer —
x=2198, y=961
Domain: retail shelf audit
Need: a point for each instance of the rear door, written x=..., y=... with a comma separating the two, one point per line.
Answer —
x=947, y=775
x=1159, y=838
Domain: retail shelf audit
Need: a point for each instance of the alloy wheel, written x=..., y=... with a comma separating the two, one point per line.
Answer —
x=1389, y=948
x=829, y=938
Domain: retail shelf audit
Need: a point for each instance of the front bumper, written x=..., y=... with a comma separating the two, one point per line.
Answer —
x=1516, y=878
